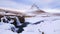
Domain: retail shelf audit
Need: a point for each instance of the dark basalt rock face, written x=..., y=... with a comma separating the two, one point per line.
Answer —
x=22, y=26
x=20, y=19
x=14, y=23
x=1, y=17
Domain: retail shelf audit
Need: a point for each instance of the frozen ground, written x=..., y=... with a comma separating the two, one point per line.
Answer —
x=5, y=28
x=50, y=25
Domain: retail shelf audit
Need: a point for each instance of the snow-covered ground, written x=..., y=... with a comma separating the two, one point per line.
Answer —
x=51, y=25
x=5, y=28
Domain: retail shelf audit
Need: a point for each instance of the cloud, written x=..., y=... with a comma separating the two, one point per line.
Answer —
x=42, y=3
x=12, y=4
x=25, y=4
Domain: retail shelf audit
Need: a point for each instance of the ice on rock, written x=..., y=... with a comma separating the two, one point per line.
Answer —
x=18, y=22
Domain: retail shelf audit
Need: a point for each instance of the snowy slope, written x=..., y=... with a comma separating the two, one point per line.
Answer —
x=5, y=28
x=51, y=25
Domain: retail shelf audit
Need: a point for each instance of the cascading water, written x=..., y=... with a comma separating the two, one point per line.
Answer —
x=18, y=22
x=8, y=20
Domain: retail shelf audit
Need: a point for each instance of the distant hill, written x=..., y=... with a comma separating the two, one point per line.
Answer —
x=12, y=12
x=39, y=12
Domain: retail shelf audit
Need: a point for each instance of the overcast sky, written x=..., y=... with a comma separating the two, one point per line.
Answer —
x=23, y=4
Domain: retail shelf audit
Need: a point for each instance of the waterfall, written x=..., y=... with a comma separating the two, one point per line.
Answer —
x=11, y=21
x=18, y=22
